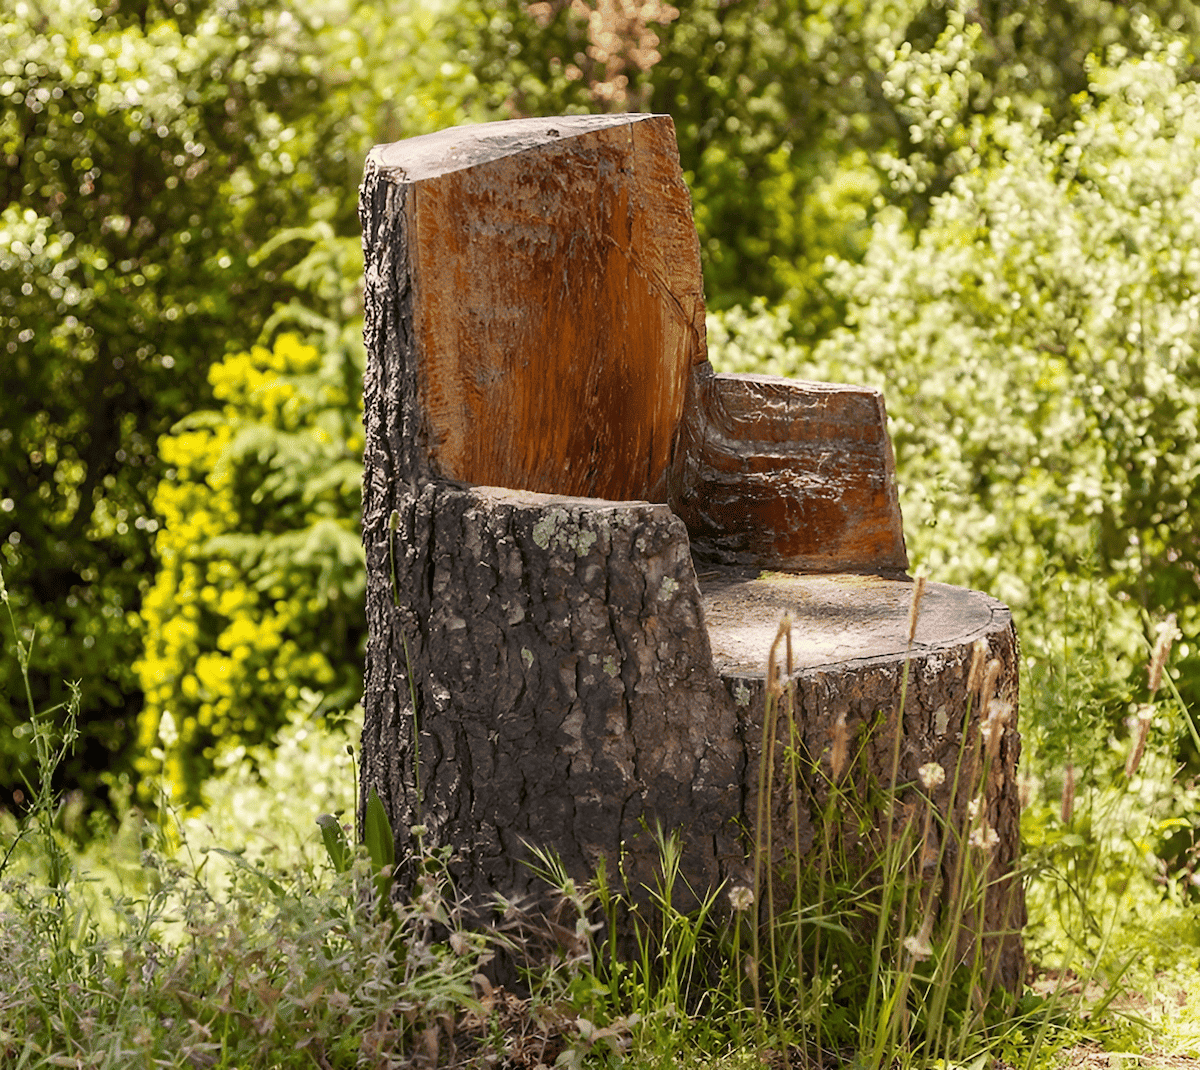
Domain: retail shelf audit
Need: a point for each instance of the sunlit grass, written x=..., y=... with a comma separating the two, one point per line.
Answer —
x=232, y=937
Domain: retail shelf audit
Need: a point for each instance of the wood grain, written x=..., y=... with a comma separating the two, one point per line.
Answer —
x=786, y=474
x=558, y=302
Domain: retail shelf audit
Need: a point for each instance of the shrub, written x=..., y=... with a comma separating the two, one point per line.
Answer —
x=260, y=583
x=1037, y=346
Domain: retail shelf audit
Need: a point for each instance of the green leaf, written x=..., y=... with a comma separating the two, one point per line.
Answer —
x=336, y=845
x=377, y=830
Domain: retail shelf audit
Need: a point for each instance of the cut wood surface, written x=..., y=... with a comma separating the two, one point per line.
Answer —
x=542, y=277
x=785, y=474
x=547, y=447
x=557, y=303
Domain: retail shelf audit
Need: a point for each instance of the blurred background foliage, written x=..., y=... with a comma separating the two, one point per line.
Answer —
x=155, y=156
x=987, y=209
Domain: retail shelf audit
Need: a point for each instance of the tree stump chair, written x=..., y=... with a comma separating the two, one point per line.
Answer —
x=580, y=540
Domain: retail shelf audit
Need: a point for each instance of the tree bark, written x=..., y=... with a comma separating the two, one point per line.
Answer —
x=565, y=695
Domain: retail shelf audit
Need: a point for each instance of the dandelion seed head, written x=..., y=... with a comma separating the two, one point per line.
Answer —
x=741, y=898
x=918, y=945
x=999, y=712
x=932, y=775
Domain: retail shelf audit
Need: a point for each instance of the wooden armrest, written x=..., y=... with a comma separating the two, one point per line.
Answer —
x=789, y=475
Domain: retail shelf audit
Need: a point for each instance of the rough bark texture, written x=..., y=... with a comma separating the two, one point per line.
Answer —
x=565, y=690
x=543, y=666
x=851, y=661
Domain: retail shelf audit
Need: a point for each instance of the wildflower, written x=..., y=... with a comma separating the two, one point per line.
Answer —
x=741, y=898
x=999, y=712
x=918, y=944
x=984, y=837
x=1141, y=727
x=914, y=608
x=1068, y=793
x=167, y=731
x=1162, y=649
x=973, y=808
x=932, y=776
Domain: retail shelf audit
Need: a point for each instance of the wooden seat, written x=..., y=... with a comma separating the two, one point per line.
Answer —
x=580, y=539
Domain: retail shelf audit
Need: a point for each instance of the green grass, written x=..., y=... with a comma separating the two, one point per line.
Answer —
x=249, y=935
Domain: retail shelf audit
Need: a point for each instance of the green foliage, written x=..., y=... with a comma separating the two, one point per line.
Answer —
x=274, y=965
x=264, y=798
x=160, y=159
x=260, y=582
x=176, y=946
x=796, y=121
x=150, y=150
x=1036, y=345
x=218, y=937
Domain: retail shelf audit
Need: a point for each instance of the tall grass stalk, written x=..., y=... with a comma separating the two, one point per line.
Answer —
x=285, y=967
x=41, y=809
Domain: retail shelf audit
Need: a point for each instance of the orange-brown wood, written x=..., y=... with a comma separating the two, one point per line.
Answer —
x=558, y=301
x=555, y=343
x=786, y=474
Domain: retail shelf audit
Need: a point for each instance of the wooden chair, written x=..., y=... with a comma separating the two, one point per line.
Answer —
x=580, y=540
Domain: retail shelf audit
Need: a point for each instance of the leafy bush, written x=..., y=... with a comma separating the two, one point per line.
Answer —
x=157, y=155
x=150, y=149
x=797, y=121
x=1036, y=343
x=261, y=577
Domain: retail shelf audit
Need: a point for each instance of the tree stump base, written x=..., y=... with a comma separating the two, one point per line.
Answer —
x=548, y=718
x=851, y=661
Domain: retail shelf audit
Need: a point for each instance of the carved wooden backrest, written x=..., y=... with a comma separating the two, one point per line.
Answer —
x=555, y=342
x=558, y=302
